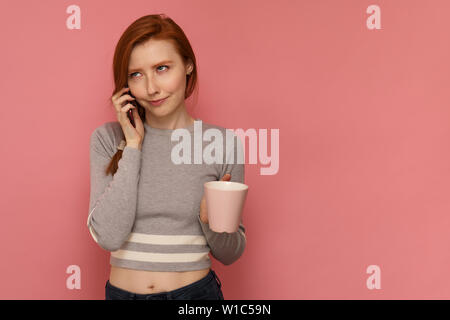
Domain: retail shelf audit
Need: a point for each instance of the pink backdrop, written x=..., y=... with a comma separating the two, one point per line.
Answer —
x=364, y=141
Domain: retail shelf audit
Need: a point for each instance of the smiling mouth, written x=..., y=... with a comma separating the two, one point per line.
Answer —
x=157, y=100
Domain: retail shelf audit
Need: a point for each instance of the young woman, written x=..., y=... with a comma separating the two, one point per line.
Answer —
x=146, y=209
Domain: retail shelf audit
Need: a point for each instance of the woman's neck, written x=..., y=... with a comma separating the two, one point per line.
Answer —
x=171, y=122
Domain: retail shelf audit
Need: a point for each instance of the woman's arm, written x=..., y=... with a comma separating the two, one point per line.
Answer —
x=113, y=199
x=225, y=247
x=228, y=247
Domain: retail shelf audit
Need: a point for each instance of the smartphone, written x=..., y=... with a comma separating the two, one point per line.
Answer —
x=130, y=112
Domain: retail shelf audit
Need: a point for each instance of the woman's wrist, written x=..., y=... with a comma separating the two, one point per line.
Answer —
x=135, y=145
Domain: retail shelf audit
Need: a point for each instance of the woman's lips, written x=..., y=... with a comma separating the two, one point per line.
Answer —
x=157, y=102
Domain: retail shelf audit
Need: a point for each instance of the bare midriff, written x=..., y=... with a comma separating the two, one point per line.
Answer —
x=147, y=282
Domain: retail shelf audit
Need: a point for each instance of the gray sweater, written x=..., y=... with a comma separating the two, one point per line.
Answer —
x=147, y=214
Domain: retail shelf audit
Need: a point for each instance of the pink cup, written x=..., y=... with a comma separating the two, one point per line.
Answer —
x=225, y=202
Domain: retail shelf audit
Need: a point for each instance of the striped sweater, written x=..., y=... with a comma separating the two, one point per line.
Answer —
x=147, y=214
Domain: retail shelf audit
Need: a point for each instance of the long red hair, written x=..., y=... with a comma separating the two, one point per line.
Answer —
x=157, y=27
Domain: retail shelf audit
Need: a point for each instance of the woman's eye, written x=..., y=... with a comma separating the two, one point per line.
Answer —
x=131, y=74
x=164, y=66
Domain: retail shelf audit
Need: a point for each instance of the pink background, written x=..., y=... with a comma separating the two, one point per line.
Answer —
x=364, y=141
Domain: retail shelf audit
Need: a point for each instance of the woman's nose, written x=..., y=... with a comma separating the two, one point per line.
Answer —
x=152, y=88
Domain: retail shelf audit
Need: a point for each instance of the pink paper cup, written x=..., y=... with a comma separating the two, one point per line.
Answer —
x=225, y=202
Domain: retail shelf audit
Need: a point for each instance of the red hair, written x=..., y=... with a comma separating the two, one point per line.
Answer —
x=157, y=27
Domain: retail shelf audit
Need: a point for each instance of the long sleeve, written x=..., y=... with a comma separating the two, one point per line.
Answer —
x=225, y=247
x=228, y=247
x=113, y=199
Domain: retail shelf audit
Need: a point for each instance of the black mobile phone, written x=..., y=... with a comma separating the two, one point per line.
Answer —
x=130, y=112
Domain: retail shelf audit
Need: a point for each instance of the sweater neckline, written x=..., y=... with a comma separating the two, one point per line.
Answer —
x=167, y=132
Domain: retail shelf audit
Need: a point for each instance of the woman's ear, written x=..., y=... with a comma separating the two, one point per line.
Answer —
x=189, y=67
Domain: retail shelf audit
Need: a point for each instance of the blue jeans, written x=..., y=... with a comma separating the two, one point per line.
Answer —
x=207, y=288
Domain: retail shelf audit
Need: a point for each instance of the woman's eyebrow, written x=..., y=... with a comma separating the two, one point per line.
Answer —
x=165, y=61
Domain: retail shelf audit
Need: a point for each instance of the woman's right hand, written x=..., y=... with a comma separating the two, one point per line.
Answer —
x=120, y=101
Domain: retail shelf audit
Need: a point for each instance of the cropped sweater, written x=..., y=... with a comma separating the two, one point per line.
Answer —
x=147, y=214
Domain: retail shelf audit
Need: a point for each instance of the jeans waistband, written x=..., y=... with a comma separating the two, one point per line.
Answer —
x=164, y=295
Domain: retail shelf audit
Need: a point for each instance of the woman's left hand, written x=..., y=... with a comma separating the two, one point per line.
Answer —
x=203, y=210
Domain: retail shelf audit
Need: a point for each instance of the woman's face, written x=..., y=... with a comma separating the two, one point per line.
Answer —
x=156, y=71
